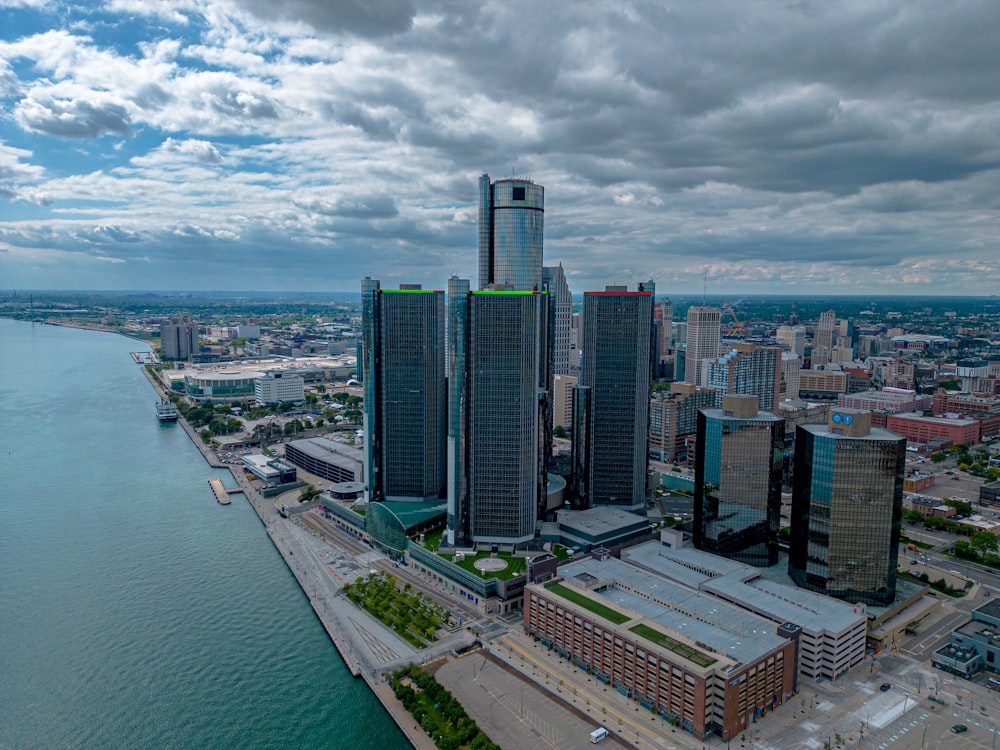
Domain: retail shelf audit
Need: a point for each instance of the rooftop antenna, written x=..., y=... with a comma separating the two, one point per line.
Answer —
x=704, y=291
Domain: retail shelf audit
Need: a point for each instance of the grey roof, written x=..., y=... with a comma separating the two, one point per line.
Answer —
x=738, y=582
x=719, y=628
x=596, y=522
x=328, y=450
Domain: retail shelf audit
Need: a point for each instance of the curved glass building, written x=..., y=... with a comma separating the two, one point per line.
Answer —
x=511, y=220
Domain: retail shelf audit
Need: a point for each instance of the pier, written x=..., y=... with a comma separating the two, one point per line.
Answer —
x=221, y=493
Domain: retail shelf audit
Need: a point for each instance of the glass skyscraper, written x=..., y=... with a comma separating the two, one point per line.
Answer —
x=405, y=392
x=737, y=487
x=511, y=223
x=847, y=499
x=497, y=364
x=611, y=402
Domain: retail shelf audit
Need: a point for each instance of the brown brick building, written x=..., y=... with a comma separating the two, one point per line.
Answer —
x=707, y=666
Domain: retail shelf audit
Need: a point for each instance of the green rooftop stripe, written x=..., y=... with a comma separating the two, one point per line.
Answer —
x=502, y=291
x=681, y=649
x=587, y=603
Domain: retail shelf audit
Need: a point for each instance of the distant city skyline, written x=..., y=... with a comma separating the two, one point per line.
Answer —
x=808, y=148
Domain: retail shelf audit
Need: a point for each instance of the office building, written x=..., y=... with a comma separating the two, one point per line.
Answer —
x=611, y=402
x=560, y=310
x=277, y=387
x=792, y=339
x=847, y=500
x=562, y=401
x=179, y=337
x=823, y=338
x=405, y=407
x=791, y=365
x=511, y=222
x=673, y=417
x=737, y=486
x=663, y=340
x=497, y=369
x=747, y=369
x=704, y=334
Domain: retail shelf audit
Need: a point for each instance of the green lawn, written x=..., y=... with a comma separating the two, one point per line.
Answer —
x=681, y=649
x=432, y=539
x=515, y=565
x=587, y=603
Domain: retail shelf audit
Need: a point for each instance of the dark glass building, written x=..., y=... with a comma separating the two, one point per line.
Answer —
x=498, y=366
x=846, y=508
x=511, y=223
x=737, y=486
x=611, y=401
x=405, y=405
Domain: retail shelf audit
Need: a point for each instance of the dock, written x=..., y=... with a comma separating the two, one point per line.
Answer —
x=221, y=493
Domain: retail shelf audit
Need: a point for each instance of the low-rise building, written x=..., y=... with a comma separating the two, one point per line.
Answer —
x=327, y=458
x=917, y=428
x=276, y=387
x=974, y=646
x=831, y=633
x=708, y=666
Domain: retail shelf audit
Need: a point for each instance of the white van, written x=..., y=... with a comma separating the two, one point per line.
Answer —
x=598, y=734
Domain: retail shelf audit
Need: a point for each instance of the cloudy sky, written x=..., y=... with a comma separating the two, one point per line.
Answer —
x=786, y=147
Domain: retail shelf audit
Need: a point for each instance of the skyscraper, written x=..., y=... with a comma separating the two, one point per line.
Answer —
x=704, y=334
x=823, y=338
x=793, y=338
x=847, y=499
x=749, y=369
x=497, y=365
x=737, y=486
x=179, y=337
x=511, y=223
x=611, y=408
x=405, y=392
x=561, y=310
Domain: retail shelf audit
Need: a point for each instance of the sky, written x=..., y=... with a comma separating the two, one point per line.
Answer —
x=746, y=146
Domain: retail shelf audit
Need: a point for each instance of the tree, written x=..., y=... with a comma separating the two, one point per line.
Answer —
x=559, y=431
x=983, y=541
x=912, y=516
x=961, y=506
x=312, y=399
x=938, y=457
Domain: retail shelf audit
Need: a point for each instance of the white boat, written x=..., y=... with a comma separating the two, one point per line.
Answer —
x=166, y=411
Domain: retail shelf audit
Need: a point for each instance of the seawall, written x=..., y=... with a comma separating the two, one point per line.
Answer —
x=332, y=611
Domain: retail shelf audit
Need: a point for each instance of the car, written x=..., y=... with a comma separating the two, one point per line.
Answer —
x=913, y=562
x=956, y=479
x=885, y=687
x=959, y=728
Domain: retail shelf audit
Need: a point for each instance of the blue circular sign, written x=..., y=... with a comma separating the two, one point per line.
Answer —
x=848, y=418
x=836, y=418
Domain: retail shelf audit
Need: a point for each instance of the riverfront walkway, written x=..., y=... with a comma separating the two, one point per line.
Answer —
x=368, y=648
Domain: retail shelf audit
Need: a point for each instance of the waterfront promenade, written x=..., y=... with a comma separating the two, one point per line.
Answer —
x=367, y=647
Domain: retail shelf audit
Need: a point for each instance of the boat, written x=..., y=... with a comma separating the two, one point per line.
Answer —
x=166, y=411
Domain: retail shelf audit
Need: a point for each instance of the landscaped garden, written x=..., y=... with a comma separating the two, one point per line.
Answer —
x=514, y=566
x=681, y=649
x=413, y=616
x=437, y=711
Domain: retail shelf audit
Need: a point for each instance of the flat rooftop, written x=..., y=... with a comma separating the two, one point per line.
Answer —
x=745, y=584
x=727, y=633
x=598, y=522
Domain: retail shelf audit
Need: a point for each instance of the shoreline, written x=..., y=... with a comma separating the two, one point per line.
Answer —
x=305, y=569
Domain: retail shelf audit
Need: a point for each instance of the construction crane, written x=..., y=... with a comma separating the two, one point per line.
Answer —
x=737, y=328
